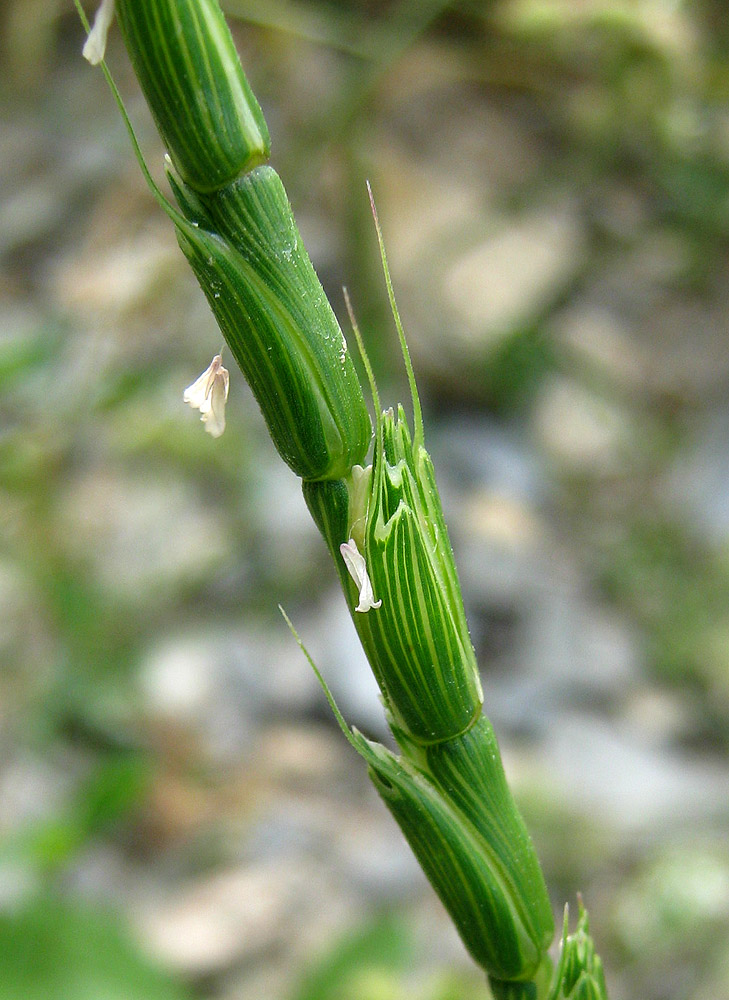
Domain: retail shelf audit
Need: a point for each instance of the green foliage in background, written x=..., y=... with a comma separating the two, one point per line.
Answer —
x=53, y=948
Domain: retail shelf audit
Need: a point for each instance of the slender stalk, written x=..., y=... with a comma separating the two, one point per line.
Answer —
x=382, y=522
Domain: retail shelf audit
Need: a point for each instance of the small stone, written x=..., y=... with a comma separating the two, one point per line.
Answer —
x=501, y=520
x=608, y=771
x=593, y=336
x=217, y=684
x=583, y=431
x=119, y=278
x=219, y=920
x=506, y=281
x=121, y=525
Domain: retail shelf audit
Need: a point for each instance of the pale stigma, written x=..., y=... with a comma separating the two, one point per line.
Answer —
x=355, y=563
x=95, y=46
x=209, y=394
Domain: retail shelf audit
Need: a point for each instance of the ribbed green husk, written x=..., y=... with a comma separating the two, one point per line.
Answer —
x=248, y=256
x=418, y=640
x=189, y=70
x=468, y=770
x=465, y=870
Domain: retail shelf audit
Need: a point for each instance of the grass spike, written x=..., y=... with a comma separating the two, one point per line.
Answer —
x=447, y=789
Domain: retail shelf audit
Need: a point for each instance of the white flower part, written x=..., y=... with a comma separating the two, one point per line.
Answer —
x=95, y=46
x=209, y=394
x=357, y=567
x=358, y=502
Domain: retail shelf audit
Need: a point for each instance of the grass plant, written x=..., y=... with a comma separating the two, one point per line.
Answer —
x=373, y=496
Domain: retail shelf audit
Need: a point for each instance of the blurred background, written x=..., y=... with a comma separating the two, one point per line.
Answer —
x=180, y=819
